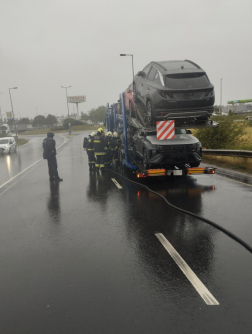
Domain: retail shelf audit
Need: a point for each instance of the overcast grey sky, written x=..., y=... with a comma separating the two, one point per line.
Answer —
x=46, y=44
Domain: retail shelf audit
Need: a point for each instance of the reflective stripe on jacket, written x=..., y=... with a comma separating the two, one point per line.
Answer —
x=100, y=147
x=90, y=146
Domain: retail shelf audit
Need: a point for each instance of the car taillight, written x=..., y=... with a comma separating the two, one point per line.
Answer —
x=208, y=92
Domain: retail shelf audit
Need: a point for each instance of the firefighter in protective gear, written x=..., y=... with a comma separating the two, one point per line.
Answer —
x=90, y=151
x=108, y=158
x=116, y=143
x=100, y=149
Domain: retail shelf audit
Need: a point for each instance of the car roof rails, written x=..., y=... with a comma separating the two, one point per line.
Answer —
x=189, y=61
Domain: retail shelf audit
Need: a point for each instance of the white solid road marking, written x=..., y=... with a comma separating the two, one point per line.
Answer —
x=117, y=184
x=196, y=282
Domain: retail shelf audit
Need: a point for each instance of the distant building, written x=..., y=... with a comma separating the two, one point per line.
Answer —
x=236, y=108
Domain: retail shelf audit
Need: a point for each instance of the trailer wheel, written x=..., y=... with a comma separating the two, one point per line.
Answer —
x=145, y=160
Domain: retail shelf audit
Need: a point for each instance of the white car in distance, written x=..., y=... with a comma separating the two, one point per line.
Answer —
x=7, y=145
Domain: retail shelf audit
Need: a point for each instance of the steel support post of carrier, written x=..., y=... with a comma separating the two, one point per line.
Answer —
x=108, y=118
x=115, y=123
x=126, y=161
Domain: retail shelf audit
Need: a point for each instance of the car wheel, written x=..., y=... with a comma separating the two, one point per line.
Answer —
x=149, y=113
x=145, y=160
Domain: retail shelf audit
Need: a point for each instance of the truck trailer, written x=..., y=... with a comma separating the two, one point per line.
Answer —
x=146, y=154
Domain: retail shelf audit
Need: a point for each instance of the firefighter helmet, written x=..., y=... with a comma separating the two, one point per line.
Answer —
x=92, y=134
x=109, y=134
x=100, y=130
x=115, y=134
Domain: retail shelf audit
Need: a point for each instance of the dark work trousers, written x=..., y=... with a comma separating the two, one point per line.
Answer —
x=52, y=167
x=100, y=161
x=91, y=158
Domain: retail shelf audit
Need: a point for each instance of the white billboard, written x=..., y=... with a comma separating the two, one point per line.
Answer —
x=77, y=99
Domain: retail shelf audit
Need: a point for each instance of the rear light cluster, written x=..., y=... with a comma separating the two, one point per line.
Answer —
x=209, y=92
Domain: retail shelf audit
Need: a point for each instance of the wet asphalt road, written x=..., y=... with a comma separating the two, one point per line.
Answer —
x=83, y=256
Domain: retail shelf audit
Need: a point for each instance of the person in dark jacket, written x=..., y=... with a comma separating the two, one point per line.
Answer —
x=90, y=151
x=49, y=146
x=100, y=149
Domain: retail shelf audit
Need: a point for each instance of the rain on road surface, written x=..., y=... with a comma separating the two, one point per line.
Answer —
x=86, y=256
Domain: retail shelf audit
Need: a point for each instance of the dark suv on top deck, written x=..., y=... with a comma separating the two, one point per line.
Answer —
x=173, y=86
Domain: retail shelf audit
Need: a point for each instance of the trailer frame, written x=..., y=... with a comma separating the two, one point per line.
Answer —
x=125, y=159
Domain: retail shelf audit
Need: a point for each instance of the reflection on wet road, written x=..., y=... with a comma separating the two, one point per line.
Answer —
x=83, y=256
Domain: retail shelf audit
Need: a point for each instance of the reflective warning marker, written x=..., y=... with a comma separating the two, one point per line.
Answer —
x=165, y=130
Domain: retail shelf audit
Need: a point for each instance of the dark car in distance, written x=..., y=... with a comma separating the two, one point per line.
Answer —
x=173, y=86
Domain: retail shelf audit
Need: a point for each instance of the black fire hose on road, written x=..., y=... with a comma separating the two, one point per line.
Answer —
x=222, y=229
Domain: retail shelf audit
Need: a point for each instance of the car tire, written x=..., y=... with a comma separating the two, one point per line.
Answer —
x=149, y=112
x=145, y=160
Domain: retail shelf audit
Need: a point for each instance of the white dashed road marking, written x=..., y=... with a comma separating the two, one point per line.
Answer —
x=117, y=184
x=196, y=282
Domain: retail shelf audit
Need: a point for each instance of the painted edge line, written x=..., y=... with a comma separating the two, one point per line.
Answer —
x=14, y=177
x=117, y=184
x=195, y=281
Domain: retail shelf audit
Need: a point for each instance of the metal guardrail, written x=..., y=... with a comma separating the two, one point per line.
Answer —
x=233, y=153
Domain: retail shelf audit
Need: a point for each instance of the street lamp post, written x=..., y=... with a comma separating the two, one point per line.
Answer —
x=131, y=55
x=1, y=113
x=220, y=95
x=67, y=98
x=13, y=110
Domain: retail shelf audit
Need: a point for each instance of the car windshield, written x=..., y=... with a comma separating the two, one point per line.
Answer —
x=186, y=81
x=4, y=141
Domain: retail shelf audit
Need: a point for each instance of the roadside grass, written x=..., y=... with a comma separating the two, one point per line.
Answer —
x=73, y=129
x=235, y=163
x=21, y=141
x=239, y=166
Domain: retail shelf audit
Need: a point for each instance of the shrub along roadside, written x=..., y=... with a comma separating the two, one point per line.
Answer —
x=228, y=135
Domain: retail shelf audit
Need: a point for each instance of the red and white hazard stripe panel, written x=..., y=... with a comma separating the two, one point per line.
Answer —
x=165, y=130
